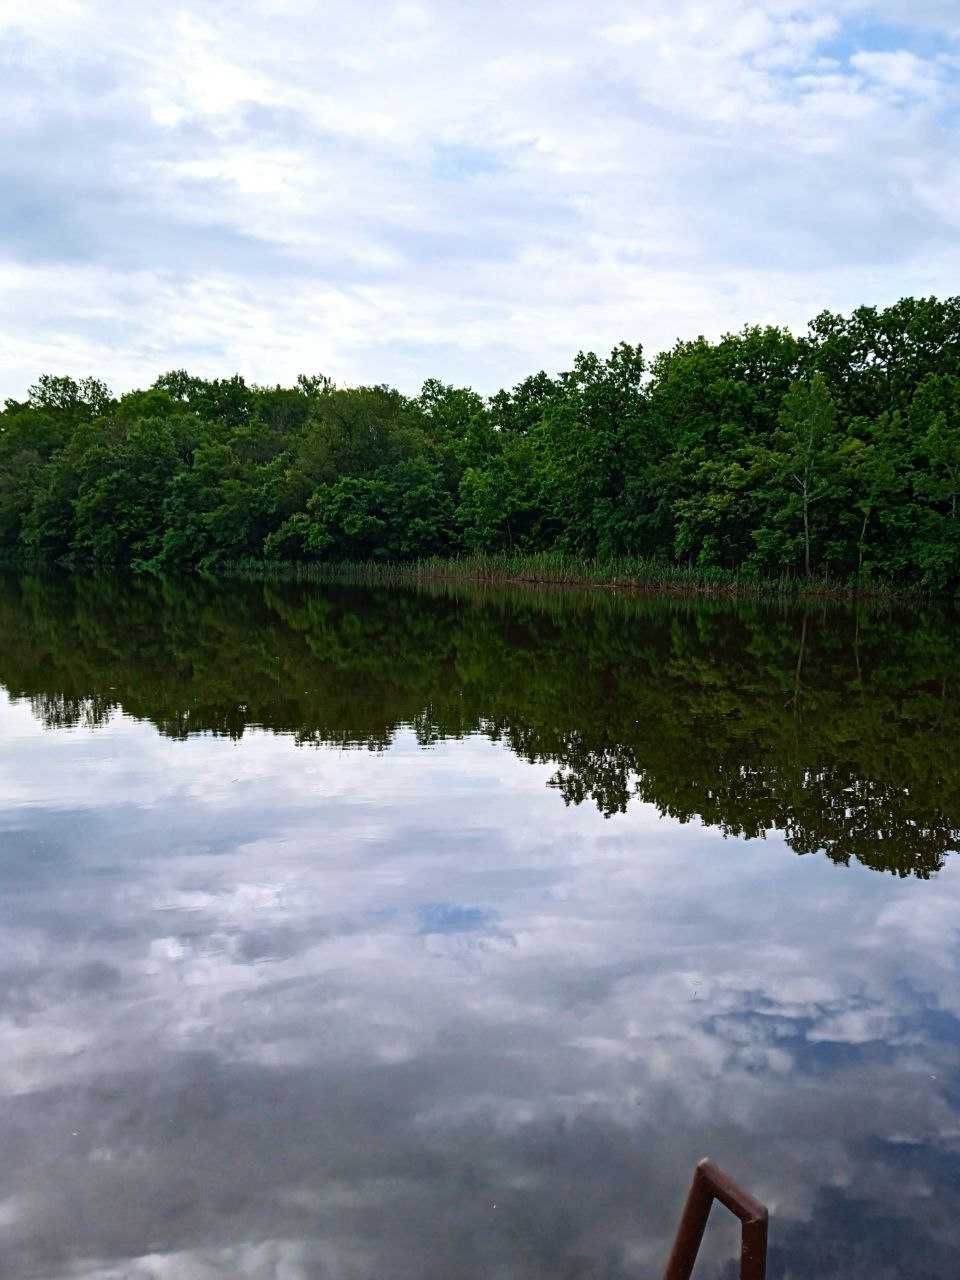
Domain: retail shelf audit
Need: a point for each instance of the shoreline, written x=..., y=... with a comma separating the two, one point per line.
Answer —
x=556, y=575
x=546, y=572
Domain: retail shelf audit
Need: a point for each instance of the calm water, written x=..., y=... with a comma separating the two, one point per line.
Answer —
x=357, y=935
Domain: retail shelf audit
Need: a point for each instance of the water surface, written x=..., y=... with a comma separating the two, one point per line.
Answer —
x=354, y=934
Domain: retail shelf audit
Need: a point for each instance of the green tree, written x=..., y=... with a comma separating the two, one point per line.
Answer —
x=124, y=479
x=396, y=513
x=711, y=406
x=873, y=467
x=803, y=458
x=592, y=442
x=836, y=452
x=500, y=501
x=935, y=423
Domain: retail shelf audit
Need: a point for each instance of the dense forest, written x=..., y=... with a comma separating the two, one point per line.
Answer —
x=834, y=454
x=837, y=729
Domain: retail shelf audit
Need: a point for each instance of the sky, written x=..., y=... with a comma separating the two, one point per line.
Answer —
x=385, y=192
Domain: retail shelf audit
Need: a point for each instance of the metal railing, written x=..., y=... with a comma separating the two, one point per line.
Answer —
x=709, y=1184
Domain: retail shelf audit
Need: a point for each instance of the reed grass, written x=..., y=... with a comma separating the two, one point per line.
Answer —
x=555, y=569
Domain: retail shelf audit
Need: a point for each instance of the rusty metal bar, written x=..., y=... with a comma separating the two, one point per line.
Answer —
x=709, y=1184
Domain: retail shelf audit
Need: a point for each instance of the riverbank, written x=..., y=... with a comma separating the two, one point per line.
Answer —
x=552, y=570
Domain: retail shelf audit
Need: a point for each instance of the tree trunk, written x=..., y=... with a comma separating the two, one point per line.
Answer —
x=808, y=467
x=863, y=534
x=806, y=528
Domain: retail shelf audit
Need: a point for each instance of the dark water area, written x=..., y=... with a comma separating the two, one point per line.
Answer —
x=350, y=933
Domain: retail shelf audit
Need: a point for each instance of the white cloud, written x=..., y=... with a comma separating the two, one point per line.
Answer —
x=390, y=190
x=904, y=72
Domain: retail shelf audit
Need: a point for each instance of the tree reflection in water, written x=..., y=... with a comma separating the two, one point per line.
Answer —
x=837, y=728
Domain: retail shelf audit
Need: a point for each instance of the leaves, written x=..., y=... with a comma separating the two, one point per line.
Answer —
x=836, y=453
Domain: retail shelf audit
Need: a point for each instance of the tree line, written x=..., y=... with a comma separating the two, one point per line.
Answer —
x=836, y=454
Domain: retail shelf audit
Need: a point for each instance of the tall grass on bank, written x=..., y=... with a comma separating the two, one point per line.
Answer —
x=555, y=569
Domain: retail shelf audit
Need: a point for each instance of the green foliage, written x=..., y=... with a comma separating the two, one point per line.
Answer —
x=397, y=513
x=500, y=498
x=835, y=455
x=592, y=448
x=796, y=468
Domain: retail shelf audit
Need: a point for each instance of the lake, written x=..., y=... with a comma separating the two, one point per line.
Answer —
x=354, y=933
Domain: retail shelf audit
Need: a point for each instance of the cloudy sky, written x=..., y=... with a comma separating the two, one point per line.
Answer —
x=391, y=190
